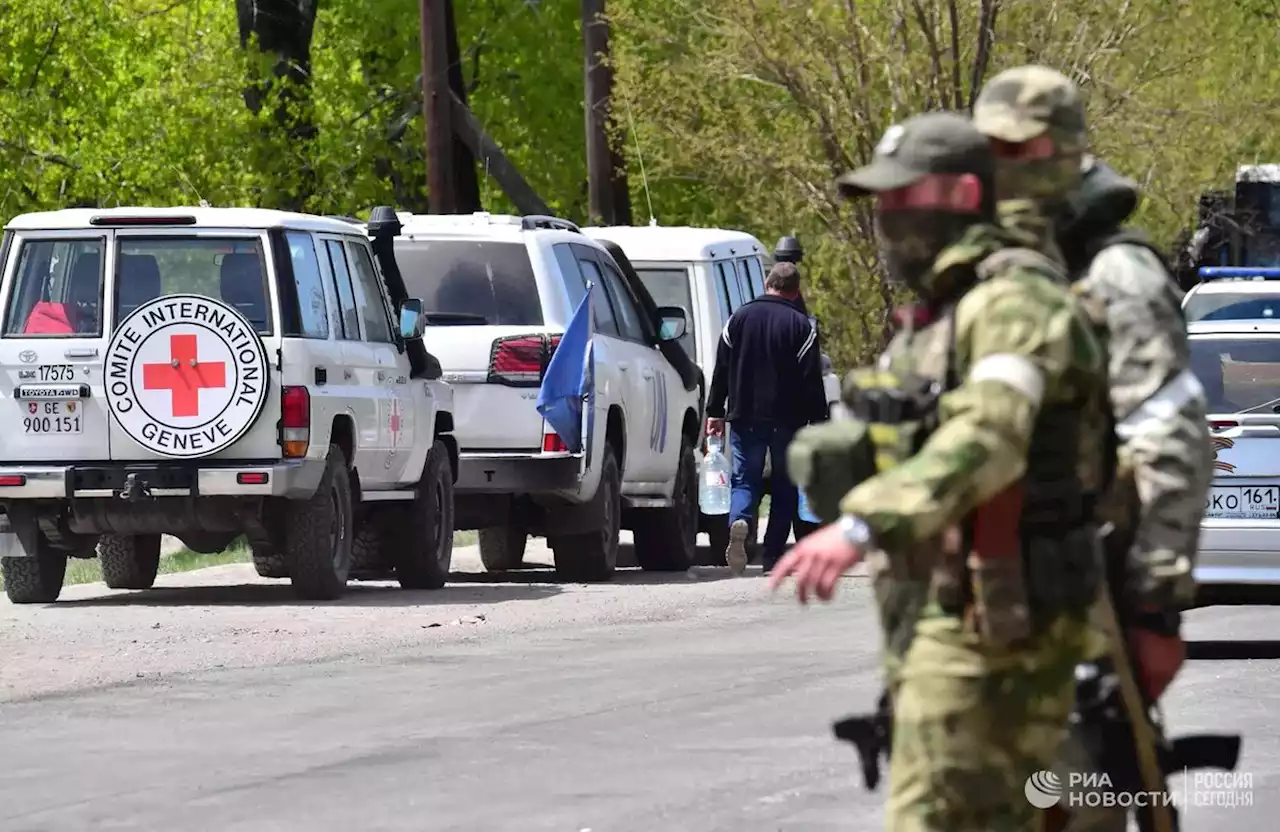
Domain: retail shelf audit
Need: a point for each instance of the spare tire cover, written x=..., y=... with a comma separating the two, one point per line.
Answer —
x=185, y=375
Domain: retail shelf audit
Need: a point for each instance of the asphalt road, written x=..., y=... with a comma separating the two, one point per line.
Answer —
x=218, y=703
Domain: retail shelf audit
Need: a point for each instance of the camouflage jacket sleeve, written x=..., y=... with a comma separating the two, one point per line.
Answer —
x=1160, y=413
x=1021, y=343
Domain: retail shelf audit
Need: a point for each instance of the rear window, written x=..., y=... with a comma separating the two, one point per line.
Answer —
x=671, y=287
x=231, y=269
x=464, y=282
x=1231, y=306
x=57, y=289
x=1238, y=374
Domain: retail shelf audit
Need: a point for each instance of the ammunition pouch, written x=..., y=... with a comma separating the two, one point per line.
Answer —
x=900, y=412
x=827, y=461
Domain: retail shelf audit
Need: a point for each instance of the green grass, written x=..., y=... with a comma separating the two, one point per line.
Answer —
x=80, y=571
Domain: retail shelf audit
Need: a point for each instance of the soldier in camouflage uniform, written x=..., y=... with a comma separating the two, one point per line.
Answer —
x=1048, y=185
x=986, y=422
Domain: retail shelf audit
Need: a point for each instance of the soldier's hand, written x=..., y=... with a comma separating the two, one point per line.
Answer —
x=817, y=562
x=1158, y=658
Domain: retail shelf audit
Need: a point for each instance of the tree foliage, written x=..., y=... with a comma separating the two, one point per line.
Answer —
x=741, y=112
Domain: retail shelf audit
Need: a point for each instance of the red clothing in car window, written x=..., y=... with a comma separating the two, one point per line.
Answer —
x=48, y=318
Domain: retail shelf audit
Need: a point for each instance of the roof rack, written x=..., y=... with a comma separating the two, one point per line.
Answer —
x=1219, y=272
x=340, y=218
x=535, y=221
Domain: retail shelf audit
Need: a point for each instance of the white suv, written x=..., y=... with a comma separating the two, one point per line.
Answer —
x=499, y=292
x=710, y=273
x=213, y=372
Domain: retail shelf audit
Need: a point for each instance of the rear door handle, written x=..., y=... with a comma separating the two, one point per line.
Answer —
x=82, y=352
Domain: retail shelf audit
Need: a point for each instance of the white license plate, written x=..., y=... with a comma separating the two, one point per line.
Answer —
x=41, y=418
x=1244, y=502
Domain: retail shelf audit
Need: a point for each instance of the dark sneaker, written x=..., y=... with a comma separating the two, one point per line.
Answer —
x=736, y=553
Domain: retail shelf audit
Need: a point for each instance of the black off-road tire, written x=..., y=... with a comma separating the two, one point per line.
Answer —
x=269, y=563
x=592, y=557
x=667, y=538
x=318, y=534
x=129, y=561
x=35, y=580
x=717, y=527
x=422, y=539
x=502, y=547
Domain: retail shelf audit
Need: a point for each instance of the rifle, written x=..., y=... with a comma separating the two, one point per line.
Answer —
x=872, y=735
x=1113, y=717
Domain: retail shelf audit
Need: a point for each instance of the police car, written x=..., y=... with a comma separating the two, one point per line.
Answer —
x=500, y=292
x=1234, y=293
x=216, y=372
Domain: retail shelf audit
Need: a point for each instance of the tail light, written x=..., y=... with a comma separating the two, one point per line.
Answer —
x=521, y=360
x=295, y=421
x=1222, y=425
x=553, y=444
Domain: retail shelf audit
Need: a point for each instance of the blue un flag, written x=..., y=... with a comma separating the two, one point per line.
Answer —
x=570, y=379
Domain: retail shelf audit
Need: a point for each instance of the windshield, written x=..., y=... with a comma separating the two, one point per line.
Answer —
x=471, y=283
x=670, y=286
x=1238, y=374
x=1231, y=306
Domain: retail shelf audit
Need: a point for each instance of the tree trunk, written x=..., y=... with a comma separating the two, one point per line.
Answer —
x=282, y=29
x=437, y=109
x=609, y=199
x=466, y=182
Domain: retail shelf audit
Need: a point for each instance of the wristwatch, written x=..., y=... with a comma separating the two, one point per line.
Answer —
x=855, y=530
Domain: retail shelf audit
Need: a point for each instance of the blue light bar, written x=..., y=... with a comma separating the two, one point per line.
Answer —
x=1212, y=272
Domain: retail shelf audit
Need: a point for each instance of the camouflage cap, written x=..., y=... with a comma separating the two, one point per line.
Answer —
x=925, y=144
x=1021, y=103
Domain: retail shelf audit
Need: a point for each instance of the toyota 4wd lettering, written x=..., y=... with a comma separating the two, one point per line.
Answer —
x=214, y=373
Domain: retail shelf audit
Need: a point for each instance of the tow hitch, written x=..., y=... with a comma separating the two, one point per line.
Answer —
x=135, y=489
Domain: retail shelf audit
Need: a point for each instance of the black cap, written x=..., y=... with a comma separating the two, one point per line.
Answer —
x=925, y=144
x=788, y=250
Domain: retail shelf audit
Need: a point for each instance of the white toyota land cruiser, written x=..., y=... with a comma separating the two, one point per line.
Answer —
x=213, y=372
x=499, y=291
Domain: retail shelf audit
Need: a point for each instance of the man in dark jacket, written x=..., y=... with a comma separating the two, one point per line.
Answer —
x=769, y=370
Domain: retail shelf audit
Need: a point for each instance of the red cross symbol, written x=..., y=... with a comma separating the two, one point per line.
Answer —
x=183, y=376
x=395, y=421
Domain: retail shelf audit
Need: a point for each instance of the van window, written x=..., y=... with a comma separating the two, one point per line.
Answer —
x=313, y=312
x=744, y=280
x=601, y=306
x=727, y=278
x=574, y=283
x=471, y=282
x=350, y=320
x=57, y=289
x=373, y=308
x=231, y=269
x=757, y=275
x=673, y=287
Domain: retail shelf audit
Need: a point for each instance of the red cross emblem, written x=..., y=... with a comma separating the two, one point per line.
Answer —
x=184, y=377
x=395, y=421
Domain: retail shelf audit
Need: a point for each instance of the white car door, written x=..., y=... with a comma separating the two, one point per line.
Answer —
x=624, y=358
x=397, y=428
x=55, y=277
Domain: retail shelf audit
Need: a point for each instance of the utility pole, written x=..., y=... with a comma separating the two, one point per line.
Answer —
x=466, y=181
x=437, y=107
x=608, y=198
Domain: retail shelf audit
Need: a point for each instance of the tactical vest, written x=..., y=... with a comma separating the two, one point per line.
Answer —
x=1046, y=521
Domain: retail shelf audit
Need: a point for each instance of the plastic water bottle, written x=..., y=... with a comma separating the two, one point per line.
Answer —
x=804, y=510
x=713, y=479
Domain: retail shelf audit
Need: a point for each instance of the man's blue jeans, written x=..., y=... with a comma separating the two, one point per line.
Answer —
x=748, y=443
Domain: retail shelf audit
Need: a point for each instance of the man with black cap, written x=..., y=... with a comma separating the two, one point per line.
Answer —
x=986, y=422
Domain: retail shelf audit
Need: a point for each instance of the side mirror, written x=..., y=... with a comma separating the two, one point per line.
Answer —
x=674, y=323
x=413, y=323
